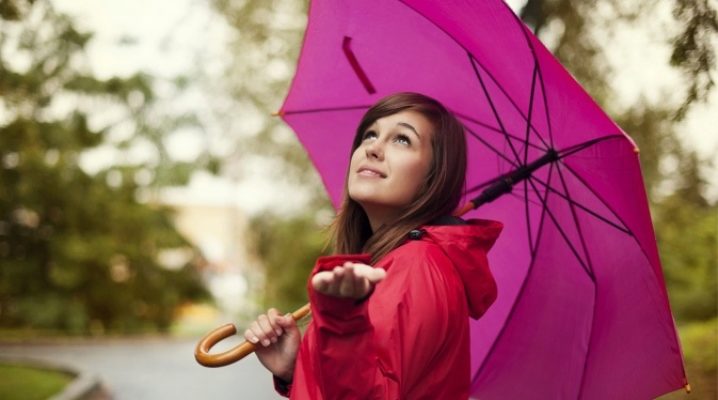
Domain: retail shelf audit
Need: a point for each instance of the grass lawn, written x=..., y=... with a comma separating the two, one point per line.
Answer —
x=26, y=383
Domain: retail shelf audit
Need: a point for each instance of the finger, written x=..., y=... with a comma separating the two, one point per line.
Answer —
x=348, y=282
x=250, y=336
x=268, y=330
x=362, y=288
x=373, y=274
x=339, y=272
x=259, y=334
x=322, y=280
x=334, y=281
x=274, y=317
x=376, y=275
x=287, y=321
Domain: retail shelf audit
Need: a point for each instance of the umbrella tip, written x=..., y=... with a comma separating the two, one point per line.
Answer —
x=636, y=150
x=688, y=387
x=278, y=113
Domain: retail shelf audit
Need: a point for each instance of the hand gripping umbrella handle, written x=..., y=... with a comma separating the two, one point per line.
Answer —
x=201, y=352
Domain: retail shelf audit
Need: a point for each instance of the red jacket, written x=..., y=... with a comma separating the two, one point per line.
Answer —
x=410, y=338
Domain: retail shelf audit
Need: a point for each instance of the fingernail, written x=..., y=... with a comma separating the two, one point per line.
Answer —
x=265, y=342
x=254, y=339
x=279, y=331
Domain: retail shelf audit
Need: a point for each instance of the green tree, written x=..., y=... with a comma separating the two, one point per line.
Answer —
x=268, y=38
x=288, y=249
x=80, y=252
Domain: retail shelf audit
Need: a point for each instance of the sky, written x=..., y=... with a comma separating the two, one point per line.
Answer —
x=167, y=39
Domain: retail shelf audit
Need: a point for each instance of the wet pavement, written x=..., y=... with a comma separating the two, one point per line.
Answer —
x=153, y=369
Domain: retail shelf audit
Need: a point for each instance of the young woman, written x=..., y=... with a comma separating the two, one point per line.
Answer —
x=390, y=310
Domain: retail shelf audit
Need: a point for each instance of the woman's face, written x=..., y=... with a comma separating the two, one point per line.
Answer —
x=390, y=164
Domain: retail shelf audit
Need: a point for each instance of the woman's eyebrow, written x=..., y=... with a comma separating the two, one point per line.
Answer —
x=410, y=127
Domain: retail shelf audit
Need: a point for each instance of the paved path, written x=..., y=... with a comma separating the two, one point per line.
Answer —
x=154, y=369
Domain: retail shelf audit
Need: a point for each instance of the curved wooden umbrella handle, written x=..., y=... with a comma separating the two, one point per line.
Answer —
x=201, y=351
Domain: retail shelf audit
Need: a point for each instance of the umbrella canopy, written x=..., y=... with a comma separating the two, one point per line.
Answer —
x=582, y=310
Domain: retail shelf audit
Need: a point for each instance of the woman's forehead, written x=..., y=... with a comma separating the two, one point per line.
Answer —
x=408, y=119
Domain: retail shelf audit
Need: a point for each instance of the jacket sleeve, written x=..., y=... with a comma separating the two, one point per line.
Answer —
x=410, y=319
x=282, y=387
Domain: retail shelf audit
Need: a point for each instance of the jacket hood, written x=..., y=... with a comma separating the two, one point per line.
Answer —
x=467, y=245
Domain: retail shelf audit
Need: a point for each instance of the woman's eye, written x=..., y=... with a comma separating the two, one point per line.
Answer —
x=369, y=135
x=403, y=139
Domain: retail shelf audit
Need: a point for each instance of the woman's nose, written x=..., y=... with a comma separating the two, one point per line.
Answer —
x=374, y=150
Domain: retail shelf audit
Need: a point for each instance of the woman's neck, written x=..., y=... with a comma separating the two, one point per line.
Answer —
x=379, y=216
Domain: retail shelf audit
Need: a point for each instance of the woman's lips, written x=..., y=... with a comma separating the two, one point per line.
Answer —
x=370, y=172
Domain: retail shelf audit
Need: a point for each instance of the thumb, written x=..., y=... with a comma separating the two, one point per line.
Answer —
x=376, y=275
x=287, y=321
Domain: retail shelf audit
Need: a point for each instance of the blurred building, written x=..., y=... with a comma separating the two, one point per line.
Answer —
x=214, y=223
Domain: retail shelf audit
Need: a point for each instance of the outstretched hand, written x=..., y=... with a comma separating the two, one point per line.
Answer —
x=351, y=280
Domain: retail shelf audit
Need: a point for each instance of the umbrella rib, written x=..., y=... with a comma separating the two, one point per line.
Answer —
x=543, y=201
x=615, y=214
x=545, y=104
x=323, y=109
x=531, y=109
x=587, y=186
x=578, y=147
x=492, y=148
x=528, y=220
x=496, y=82
x=497, y=130
x=520, y=291
x=575, y=174
x=584, y=208
x=590, y=263
x=523, y=29
x=511, y=100
x=520, y=197
x=561, y=231
x=493, y=107
x=575, y=217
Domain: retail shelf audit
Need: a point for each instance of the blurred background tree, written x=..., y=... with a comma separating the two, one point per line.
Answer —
x=288, y=238
x=82, y=252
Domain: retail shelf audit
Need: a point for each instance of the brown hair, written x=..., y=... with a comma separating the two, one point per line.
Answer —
x=438, y=196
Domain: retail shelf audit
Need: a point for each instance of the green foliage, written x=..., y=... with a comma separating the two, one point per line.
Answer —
x=694, y=48
x=78, y=251
x=270, y=33
x=700, y=351
x=25, y=383
x=688, y=239
x=288, y=249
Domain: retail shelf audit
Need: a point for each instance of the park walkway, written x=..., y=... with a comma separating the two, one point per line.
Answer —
x=152, y=369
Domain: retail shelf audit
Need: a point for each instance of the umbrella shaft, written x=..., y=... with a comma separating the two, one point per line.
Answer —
x=505, y=183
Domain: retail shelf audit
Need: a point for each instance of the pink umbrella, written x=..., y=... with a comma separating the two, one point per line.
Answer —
x=582, y=311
